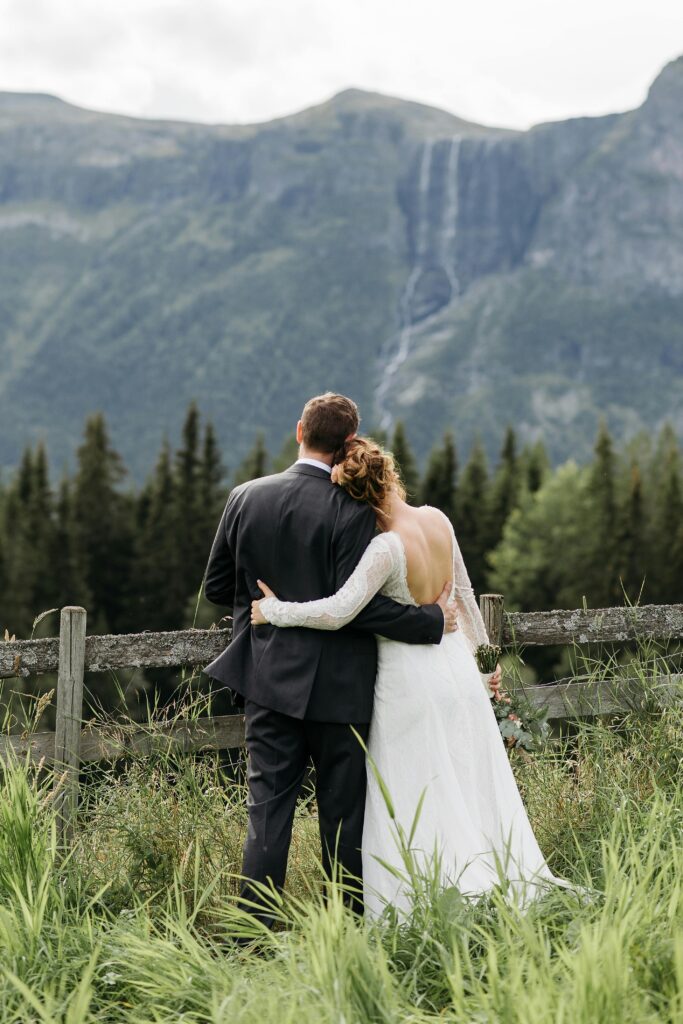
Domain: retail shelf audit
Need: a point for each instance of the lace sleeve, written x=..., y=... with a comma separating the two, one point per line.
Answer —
x=373, y=570
x=469, y=616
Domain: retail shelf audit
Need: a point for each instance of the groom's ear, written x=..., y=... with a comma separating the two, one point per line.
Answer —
x=299, y=433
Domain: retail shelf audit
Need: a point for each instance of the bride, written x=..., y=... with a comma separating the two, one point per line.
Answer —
x=434, y=740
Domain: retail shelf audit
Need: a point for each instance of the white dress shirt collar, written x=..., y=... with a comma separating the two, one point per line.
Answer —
x=316, y=463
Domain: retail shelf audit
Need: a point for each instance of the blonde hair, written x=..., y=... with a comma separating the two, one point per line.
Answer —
x=368, y=473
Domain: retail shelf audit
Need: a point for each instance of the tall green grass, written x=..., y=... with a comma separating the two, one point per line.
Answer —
x=138, y=923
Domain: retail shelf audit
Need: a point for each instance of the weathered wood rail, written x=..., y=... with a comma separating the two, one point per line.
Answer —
x=73, y=653
x=602, y=625
x=117, y=651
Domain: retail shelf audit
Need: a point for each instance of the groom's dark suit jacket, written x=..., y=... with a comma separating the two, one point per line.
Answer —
x=304, y=536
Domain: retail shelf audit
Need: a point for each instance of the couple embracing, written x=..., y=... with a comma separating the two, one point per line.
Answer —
x=369, y=631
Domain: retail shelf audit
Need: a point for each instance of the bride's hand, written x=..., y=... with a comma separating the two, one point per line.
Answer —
x=257, y=616
x=495, y=681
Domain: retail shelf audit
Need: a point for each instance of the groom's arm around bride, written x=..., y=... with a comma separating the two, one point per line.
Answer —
x=302, y=687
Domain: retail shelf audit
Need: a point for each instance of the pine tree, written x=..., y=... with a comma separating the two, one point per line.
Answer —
x=667, y=539
x=602, y=585
x=212, y=493
x=18, y=607
x=666, y=448
x=189, y=511
x=254, y=465
x=439, y=484
x=40, y=536
x=16, y=596
x=187, y=457
x=405, y=462
x=536, y=466
x=631, y=540
x=161, y=587
x=29, y=533
x=471, y=524
x=24, y=482
x=72, y=588
x=104, y=529
x=506, y=488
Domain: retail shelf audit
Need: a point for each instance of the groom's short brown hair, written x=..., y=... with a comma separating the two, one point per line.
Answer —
x=327, y=421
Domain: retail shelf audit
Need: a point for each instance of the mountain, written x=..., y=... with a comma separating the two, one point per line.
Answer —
x=439, y=271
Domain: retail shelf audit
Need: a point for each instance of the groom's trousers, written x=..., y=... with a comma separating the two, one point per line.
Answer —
x=280, y=749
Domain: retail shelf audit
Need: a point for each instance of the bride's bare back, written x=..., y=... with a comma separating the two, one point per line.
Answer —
x=427, y=541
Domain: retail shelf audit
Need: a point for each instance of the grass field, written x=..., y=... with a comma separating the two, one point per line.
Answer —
x=138, y=924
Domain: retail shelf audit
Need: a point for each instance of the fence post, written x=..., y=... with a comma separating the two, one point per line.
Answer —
x=491, y=607
x=69, y=717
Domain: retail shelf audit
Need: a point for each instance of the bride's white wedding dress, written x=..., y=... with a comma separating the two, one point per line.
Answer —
x=433, y=729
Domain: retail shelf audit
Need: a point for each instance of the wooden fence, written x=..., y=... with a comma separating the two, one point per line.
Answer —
x=73, y=653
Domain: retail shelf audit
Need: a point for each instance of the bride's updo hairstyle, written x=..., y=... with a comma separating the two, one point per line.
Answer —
x=368, y=472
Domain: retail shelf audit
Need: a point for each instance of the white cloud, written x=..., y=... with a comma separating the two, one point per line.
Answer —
x=246, y=60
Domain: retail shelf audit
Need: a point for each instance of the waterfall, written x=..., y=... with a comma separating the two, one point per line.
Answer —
x=447, y=254
x=434, y=248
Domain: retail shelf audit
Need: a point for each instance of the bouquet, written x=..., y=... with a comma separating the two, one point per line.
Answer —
x=521, y=725
x=487, y=657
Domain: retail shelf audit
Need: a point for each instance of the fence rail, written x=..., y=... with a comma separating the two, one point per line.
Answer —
x=601, y=625
x=117, y=651
x=73, y=653
x=111, y=742
x=199, y=646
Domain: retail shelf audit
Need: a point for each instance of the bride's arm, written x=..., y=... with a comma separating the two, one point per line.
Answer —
x=469, y=616
x=339, y=609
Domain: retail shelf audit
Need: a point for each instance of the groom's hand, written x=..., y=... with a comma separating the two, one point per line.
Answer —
x=450, y=612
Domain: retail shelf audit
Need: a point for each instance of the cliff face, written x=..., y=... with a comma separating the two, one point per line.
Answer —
x=441, y=272
x=567, y=250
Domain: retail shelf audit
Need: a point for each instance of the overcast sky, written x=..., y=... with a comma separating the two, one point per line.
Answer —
x=507, y=62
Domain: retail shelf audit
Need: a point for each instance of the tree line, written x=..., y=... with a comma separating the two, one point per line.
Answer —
x=607, y=532
x=135, y=557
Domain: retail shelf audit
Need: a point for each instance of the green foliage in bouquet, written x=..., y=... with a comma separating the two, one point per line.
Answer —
x=487, y=657
x=521, y=725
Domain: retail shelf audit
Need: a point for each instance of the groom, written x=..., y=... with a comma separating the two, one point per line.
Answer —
x=303, y=689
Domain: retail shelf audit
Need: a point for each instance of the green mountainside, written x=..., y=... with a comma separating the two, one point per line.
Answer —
x=442, y=273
